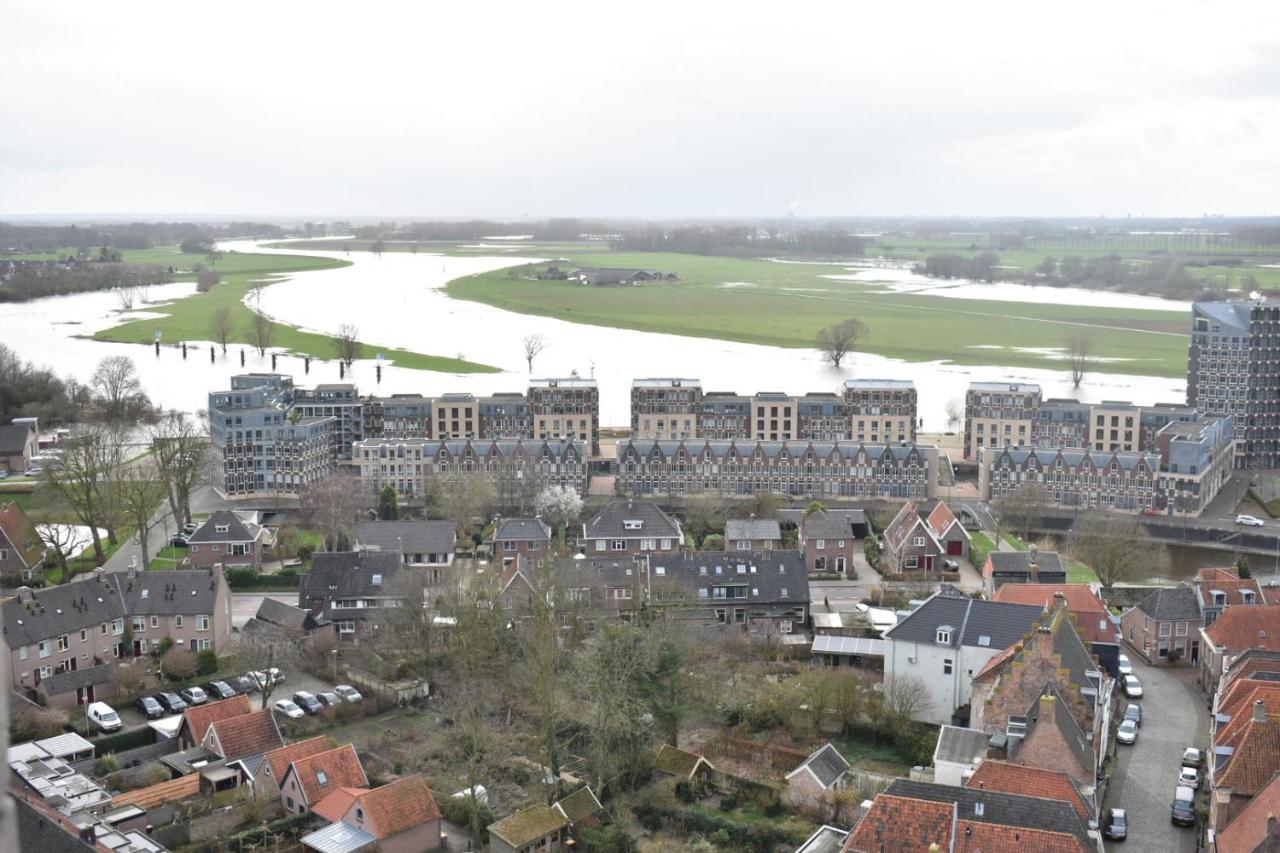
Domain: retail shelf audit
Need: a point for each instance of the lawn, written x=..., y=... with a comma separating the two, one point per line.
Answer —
x=980, y=545
x=786, y=305
x=191, y=318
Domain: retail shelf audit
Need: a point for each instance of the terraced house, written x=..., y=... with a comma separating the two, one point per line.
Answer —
x=801, y=469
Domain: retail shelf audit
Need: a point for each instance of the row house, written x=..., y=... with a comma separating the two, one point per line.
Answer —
x=401, y=415
x=999, y=414
x=1242, y=759
x=1239, y=628
x=632, y=527
x=1219, y=588
x=1166, y=623
x=517, y=469
x=807, y=470
x=356, y=591
x=60, y=642
x=1073, y=478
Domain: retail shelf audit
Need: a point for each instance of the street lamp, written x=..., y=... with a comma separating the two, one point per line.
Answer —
x=333, y=654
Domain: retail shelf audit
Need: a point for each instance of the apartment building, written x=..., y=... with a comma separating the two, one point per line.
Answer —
x=455, y=416
x=1197, y=458
x=1107, y=426
x=1234, y=369
x=1115, y=427
x=823, y=417
x=261, y=444
x=999, y=414
x=505, y=415
x=1061, y=423
x=774, y=417
x=401, y=415
x=723, y=416
x=811, y=470
x=566, y=409
x=517, y=469
x=665, y=408
x=882, y=410
x=342, y=403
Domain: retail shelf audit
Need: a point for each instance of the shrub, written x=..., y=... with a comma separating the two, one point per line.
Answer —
x=106, y=765
x=461, y=810
x=614, y=839
x=121, y=741
x=31, y=722
x=178, y=664
x=728, y=803
x=207, y=662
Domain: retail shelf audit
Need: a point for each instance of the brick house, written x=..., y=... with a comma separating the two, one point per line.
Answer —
x=1254, y=828
x=1165, y=621
x=830, y=538
x=631, y=527
x=1093, y=619
x=311, y=778
x=948, y=530
x=1030, y=566
x=538, y=828
x=910, y=544
x=1217, y=589
x=1240, y=627
x=811, y=786
x=266, y=779
x=1049, y=736
x=527, y=537
x=1030, y=782
x=21, y=548
x=19, y=441
x=399, y=817
x=230, y=540
x=196, y=719
x=243, y=736
x=1245, y=754
x=353, y=590
x=752, y=534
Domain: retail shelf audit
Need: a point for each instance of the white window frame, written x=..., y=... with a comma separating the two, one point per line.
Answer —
x=202, y=622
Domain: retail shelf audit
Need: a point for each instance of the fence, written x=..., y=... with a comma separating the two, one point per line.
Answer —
x=130, y=757
x=764, y=760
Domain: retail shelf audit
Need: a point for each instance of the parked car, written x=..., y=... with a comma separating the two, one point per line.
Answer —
x=308, y=702
x=189, y=528
x=328, y=698
x=1133, y=711
x=1132, y=687
x=179, y=541
x=171, y=702
x=1192, y=757
x=219, y=690
x=290, y=710
x=348, y=693
x=269, y=678
x=243, y=684
x=1249, y=520
x=1183, y=811
x=149, y=707
x=104, y=717
x=1116, y=825
x=1125, y=666
x=194, y=696
x=950, y=566
x=1189, y=776
x=1127, y=733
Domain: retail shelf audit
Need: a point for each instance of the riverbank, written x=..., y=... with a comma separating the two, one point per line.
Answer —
x=191, y=318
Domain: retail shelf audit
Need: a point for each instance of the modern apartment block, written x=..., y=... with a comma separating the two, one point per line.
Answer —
x=406, y=415
x=567, y=409
x=823, y=417
x=1234, y=369
x=516, y=469
x=338, y=401
x=665, y=408
x=723, y=416
x=999, y=414
x=774, y=417
x=882, y=410
x=1061, y=423
x=1197, y=459
x=802, y=469
x=455, y=416
x=505, y=415
x=261, y=443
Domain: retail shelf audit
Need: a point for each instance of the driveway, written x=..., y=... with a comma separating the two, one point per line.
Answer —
x=244, y=605
x=1173, y=717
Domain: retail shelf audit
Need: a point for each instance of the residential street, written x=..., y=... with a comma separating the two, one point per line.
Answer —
x=1174, y=717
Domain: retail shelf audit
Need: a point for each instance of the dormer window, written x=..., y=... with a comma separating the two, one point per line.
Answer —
x=1248, y=596
x=221, y=528
x=944, y=635
x=632, y=524
x=377, y=580
x=1219, y=597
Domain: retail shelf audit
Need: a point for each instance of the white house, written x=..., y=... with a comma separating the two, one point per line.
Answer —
x=958, y=754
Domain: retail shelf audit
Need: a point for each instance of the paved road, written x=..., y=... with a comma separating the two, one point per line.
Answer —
x=1174, y=717
x=245, y=604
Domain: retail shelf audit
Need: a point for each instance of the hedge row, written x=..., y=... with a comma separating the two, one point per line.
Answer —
x=247, y=580
x=759, y=837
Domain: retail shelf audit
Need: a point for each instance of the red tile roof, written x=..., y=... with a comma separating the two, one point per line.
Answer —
x=399, y=806
x=199, y=718
x=1029, y=782
x=1238, y=704
x=1247, y=663
x=341, y=768
x=1248, y=830
x=280, y=759
x=1217, y=574
x=1234, y=589
x=972, y=837
x=902, y=825
x=21, y=533
x=1092, y=618
x=252, y=734
x=335, y=805
x=941, y=519
x=1247, y=627
x=1255, y=760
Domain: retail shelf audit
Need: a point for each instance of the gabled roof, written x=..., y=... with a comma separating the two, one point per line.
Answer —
x=237, y=529
x=337, y=803
x=185, y=592
x=528, y=825
x=1030, y=782
x=1052, y=709
x=1235, y=709
x=280, y=759
x=904, y=524
x=399, y=806
x=997, y=807
x=679, y=762
x=13, y=438
x=1018, y=563
x=975, y=837
x=903, y=824
x=962, y=746
x=769, y=573
x=579, y=805
x=409, y=537
x=832, y=523
x=752, y=528
x=1255, y=759
x=654, y=523
x=1093, y=619
x=1211, y=582
x=973, y=622
x=284, y=615
x=826, y=764
x=322, y=772
x=942, y=519
x=198, y=718
x=1171, y=603
x=57, y=610
x=1243, y=627
x=1251, y=827
x=348, y=574
x=21, y=533
x=522, y=530
x=254, y=733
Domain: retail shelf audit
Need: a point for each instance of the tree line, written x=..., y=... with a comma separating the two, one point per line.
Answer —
x=35, y=280
x=131, y=235
x=742, y=241
x=1165, y=276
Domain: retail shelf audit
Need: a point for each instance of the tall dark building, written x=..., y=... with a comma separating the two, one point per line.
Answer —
x=1234, y=369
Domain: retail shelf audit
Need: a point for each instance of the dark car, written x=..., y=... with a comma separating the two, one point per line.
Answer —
x=241, y=684
x=149, y=707
x=179, y=541
x=307, y=702
x=171, y=702
x=219, y=690
x=1116, y=825
x=1183, y=811
x=329, y=698
x=1133, y=711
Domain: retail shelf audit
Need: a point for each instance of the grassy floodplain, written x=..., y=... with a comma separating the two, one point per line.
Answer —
x=190, y=318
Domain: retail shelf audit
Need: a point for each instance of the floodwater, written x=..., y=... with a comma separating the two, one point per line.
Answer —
x=396, y=300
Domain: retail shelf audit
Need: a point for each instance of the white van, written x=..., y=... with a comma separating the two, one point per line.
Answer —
x=104, y=717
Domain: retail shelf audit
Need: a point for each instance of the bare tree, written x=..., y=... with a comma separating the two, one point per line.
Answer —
x=377, y=247
x=48, y=516
x=332, y=506
x=533, y=346
x=955, y=412
x=347, y=342
x=115, y=381
x=82, y=477
x=127, y=297
x=221, y=326
x=462, y=499
x=261, y=654
x=905, y=698
x=839, y=340
x=262, y=333
x=1116, y=547
x=1023, y=507
x=140, y=493
x=180, y=447
x=608, y=678
x=213, y=255
x=543, y=668
x=1080, y=355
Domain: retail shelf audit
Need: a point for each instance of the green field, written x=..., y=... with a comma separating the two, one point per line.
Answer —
x=786, y=305
x=190, y=318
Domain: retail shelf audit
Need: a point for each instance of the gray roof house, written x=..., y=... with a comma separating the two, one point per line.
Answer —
x=277, y=621
x=750, y=534
x=632, y=527
x=351, y=588
x=1030, y=566
x=834, y=524
x=766, y=590
x=939, y=647
x=826, y=766
x=423, y=543
x=1013, y=810
x=523, y=530
x=1166, y=620
x=958, y=753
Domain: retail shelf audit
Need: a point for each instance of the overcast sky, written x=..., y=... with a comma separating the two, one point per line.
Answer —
x=640, y=109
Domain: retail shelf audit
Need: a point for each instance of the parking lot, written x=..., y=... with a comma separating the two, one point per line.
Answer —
x=1174, y=716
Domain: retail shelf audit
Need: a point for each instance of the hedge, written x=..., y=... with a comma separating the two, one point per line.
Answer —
x=247, y=580
x=124, y=740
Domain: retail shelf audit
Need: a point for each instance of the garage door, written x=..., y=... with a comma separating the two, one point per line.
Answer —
x=955, y=547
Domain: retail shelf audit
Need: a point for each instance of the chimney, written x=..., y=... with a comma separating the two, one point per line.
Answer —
x=1273, y=826
x=1033, y=565
x=1259, y=711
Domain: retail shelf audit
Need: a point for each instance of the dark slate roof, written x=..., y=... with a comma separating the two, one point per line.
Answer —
x=1019, y=563
x=185, y=592
x=655, y=524
x=523, y=530
x=963, y=746
x=833, y=523
x=774, y=571
x=13, y=438
x=1171, y=603
x=997, y=807
x=344, y=574
x=285, y=615
x=58, y=610
x=752, y=528
x=65, y=682
x=827, y=764
x=38, y=831
x=237, y=529
x=974, y=622
x=410, y=537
